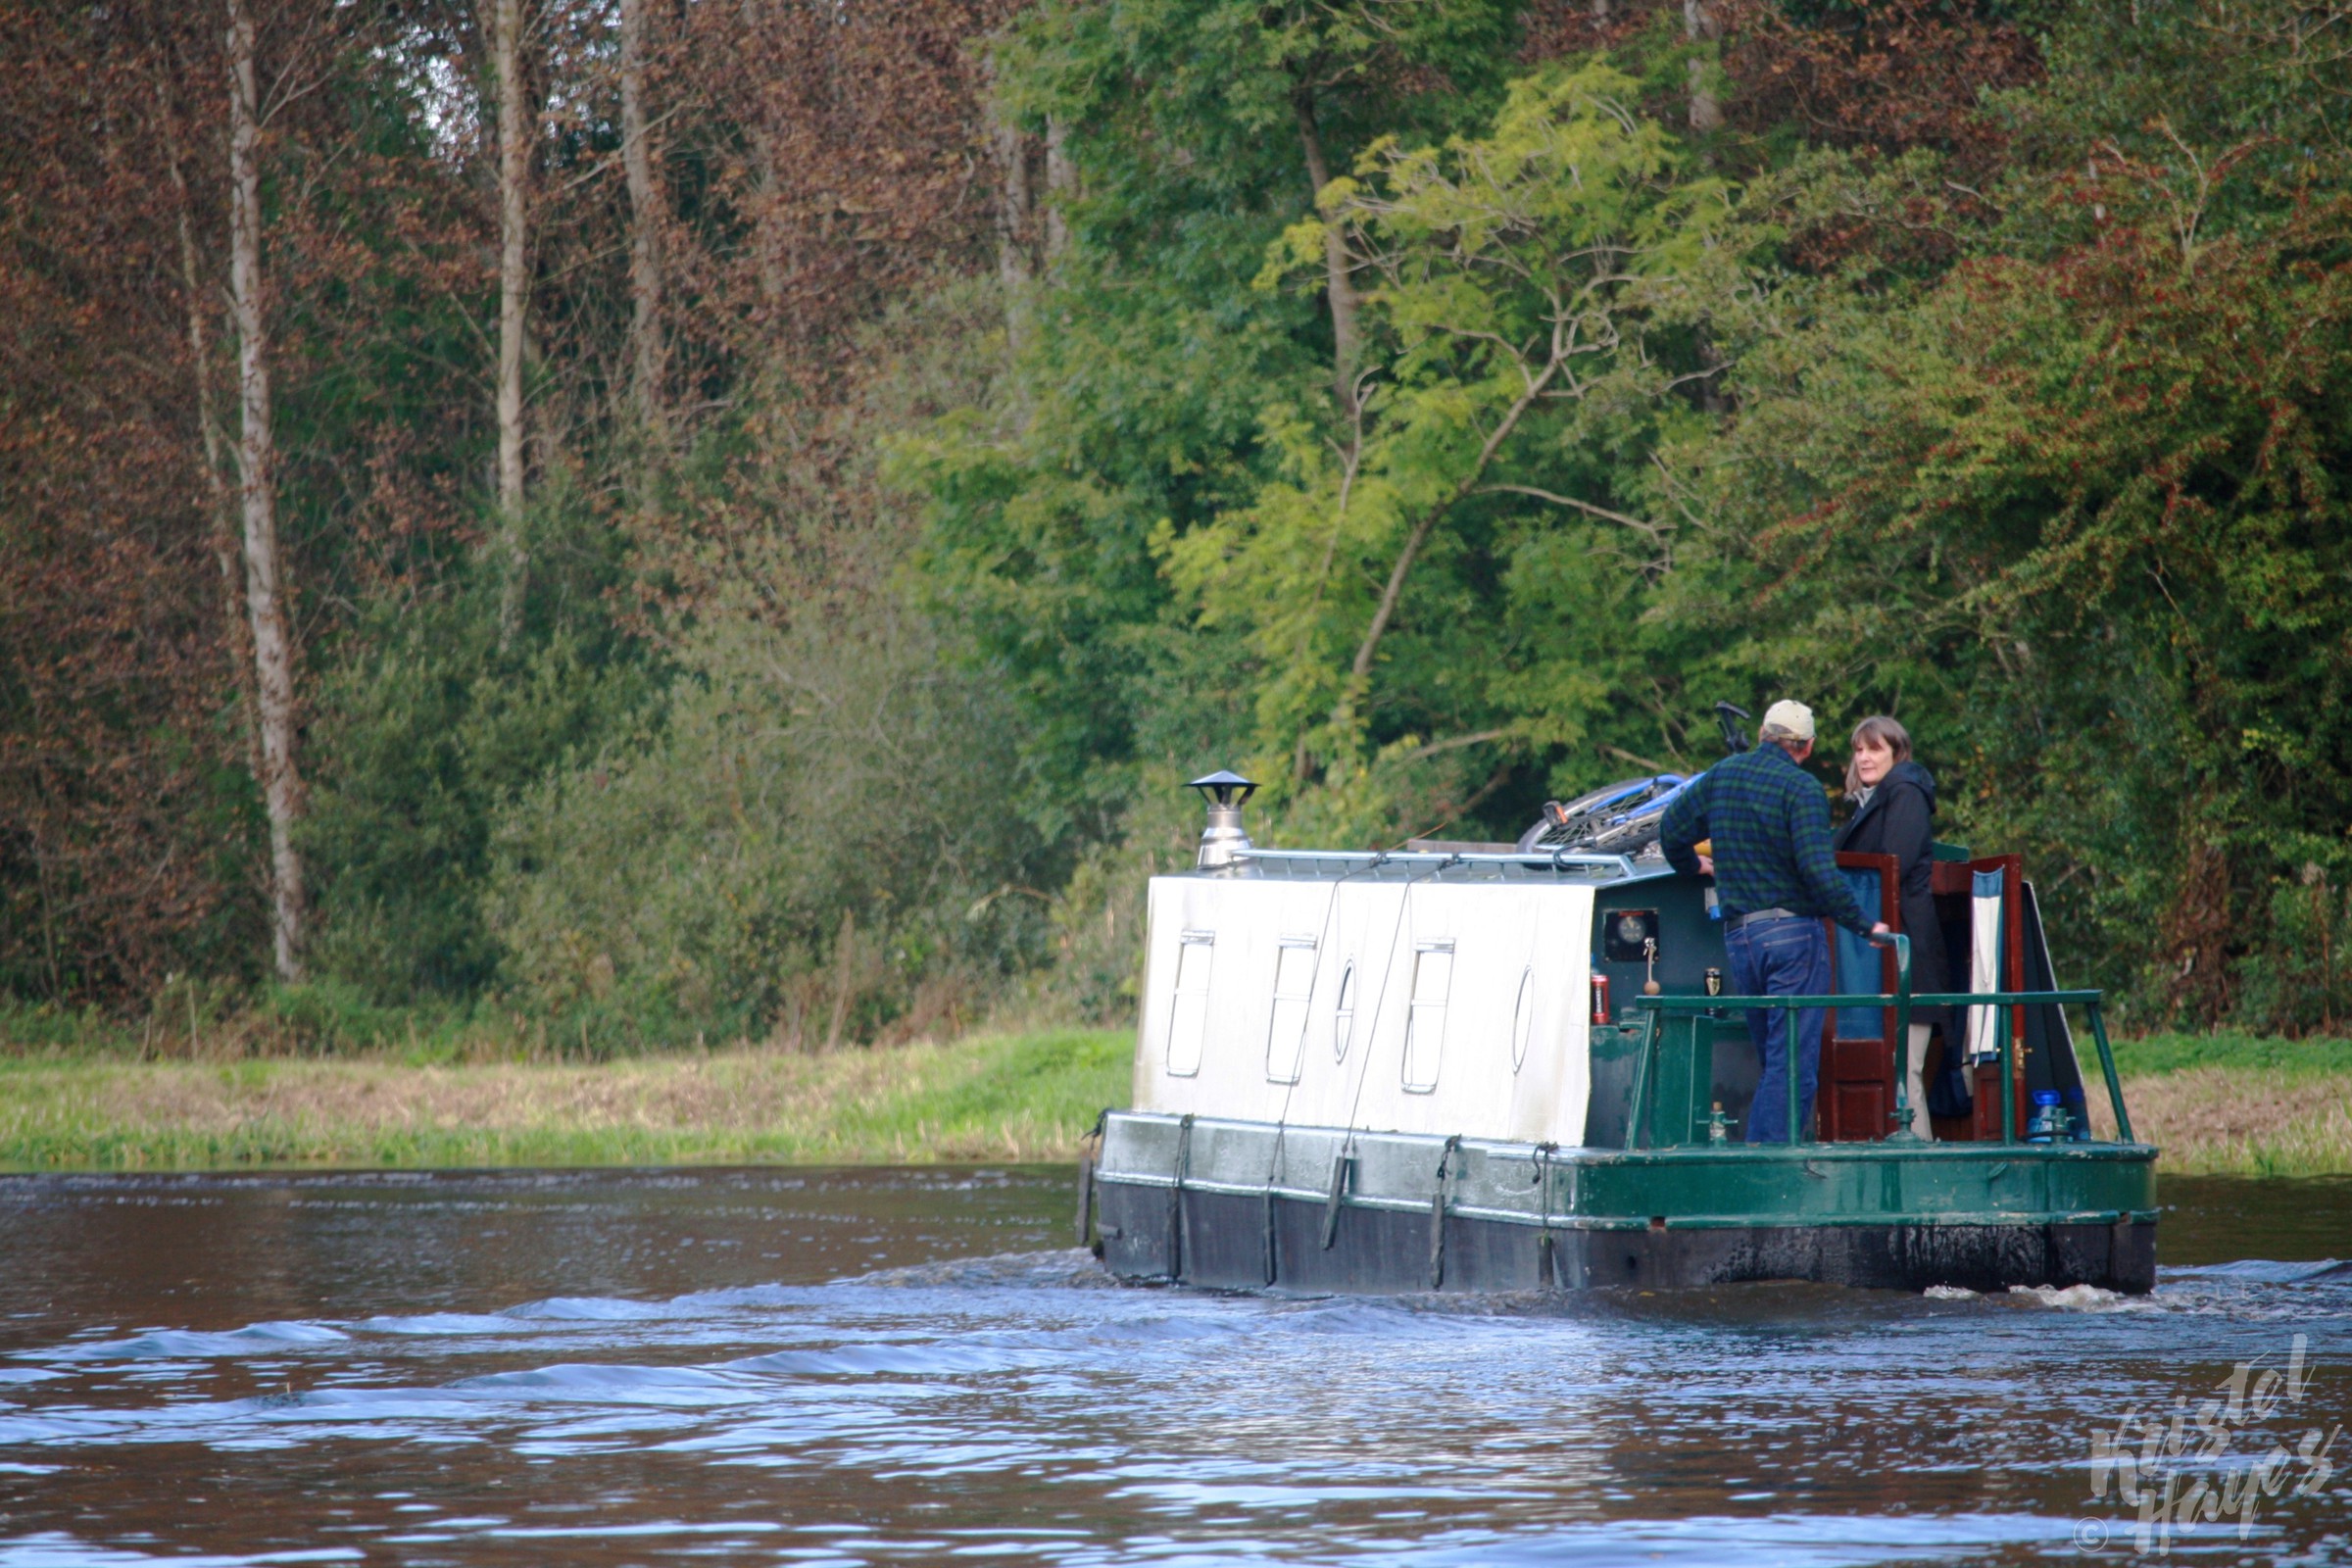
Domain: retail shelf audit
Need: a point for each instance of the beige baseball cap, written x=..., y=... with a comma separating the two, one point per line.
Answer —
x=1794, y=718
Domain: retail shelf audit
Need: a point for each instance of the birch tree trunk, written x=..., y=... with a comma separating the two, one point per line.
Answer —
x=237, y=635
x=1699, y=23
x=265, y=593
x=1339, y=285
x=646, y=356
x=514, y=283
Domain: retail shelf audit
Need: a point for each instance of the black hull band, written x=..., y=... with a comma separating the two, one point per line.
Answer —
x=1229, y=1240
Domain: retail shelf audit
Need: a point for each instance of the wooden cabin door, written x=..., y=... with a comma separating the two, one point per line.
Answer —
x=1856, y=1100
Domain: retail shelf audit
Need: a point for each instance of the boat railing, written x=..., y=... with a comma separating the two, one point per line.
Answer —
x=1902, y=1000
x=1320, y=862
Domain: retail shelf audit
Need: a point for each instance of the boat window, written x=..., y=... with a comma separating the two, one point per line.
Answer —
x=1187, y=1023
x=1425, y=1027
x=1342, y=1021
x=1286, y=1028
x=1523, y=1018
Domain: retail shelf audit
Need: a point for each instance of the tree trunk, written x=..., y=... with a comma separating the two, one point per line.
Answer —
x=1338, y=286
x=513, y=174
x=767, y=221
x=767, y=189
x=1360, y=672
x=1699, y=23
x=2198, y=924
x=646, y=356
x=1061, y=184
x=265, y=595
x=845, y=974
x=1016, y=205
x=237, y=636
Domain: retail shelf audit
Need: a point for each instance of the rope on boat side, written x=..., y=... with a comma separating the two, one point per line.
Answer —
x=1548, y=1270
x=1331, y=1200
x=1089, y=1156
x=1437, y=1214
x=1176, y=1227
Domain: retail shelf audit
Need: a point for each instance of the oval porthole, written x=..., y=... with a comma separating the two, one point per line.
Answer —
x=1343, y=1020
x=1523, y=1018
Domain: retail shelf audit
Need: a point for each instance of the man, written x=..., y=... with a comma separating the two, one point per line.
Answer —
x=1776, y=880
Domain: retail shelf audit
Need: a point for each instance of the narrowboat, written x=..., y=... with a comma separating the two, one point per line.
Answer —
x=1515, y=1066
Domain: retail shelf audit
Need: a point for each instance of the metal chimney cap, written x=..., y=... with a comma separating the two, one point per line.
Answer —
x=1224, y=787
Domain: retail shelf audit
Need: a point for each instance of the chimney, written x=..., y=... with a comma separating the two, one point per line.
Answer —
x=1222, y=840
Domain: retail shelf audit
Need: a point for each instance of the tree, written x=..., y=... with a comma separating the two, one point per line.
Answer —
x=2076, y=508
x=273, y=653
x=515, y=134
x=647, y=355
x=1535, y=289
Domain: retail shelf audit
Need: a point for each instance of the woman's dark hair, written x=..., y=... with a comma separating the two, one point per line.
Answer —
x=1883, y=731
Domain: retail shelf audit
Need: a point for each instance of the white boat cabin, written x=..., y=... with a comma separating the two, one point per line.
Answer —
x=1390, y=1003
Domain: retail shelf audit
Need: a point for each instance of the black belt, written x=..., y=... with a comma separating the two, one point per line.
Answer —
x=1752, y=917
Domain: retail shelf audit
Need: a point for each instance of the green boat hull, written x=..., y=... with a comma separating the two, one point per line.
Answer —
x=1250, y=1205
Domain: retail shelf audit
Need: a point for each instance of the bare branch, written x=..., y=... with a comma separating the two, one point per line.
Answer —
x=1454, y=743
x=1653, y=529
x=1394, y=590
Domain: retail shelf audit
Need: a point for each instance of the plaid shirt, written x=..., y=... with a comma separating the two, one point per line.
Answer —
x=1770, y=827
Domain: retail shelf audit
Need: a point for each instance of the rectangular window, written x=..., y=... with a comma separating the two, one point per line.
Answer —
x=1425, y=1023
x=1286, y=1027
x=1187, y=1023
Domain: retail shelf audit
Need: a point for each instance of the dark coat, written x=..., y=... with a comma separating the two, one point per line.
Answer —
x=1899, y=820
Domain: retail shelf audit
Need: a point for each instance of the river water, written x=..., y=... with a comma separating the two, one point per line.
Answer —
x=895, y=1366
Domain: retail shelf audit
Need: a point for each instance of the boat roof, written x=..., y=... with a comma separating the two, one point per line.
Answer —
x=1500, y=864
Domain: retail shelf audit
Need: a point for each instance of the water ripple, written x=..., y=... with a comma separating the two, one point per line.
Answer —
x=1018, y=1406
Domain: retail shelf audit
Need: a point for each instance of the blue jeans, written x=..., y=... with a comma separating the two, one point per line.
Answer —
x=1781, y=958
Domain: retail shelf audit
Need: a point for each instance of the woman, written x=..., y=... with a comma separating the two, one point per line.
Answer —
x=1894, y=813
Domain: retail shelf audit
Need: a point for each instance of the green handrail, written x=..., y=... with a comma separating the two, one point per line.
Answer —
x=1902, y=1036
x=1903, y=1002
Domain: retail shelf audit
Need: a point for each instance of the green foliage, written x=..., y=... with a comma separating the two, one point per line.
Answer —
x=2048, y=467
x=806, y=837
x=2079, y=516
x=1142, y=390
x=813, y=829
x=1539, y=291
x=2295, y=982
x=1425, y=425
x=429, y=729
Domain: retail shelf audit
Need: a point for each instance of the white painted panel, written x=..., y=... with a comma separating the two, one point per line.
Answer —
x=1510, y=1061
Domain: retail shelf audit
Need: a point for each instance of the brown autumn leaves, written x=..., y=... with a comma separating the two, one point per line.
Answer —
x=294, y=319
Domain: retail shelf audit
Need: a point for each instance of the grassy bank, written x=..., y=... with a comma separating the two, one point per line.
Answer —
x=2235, y=1104
x=1015, y=1096
x=2215, y=1103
